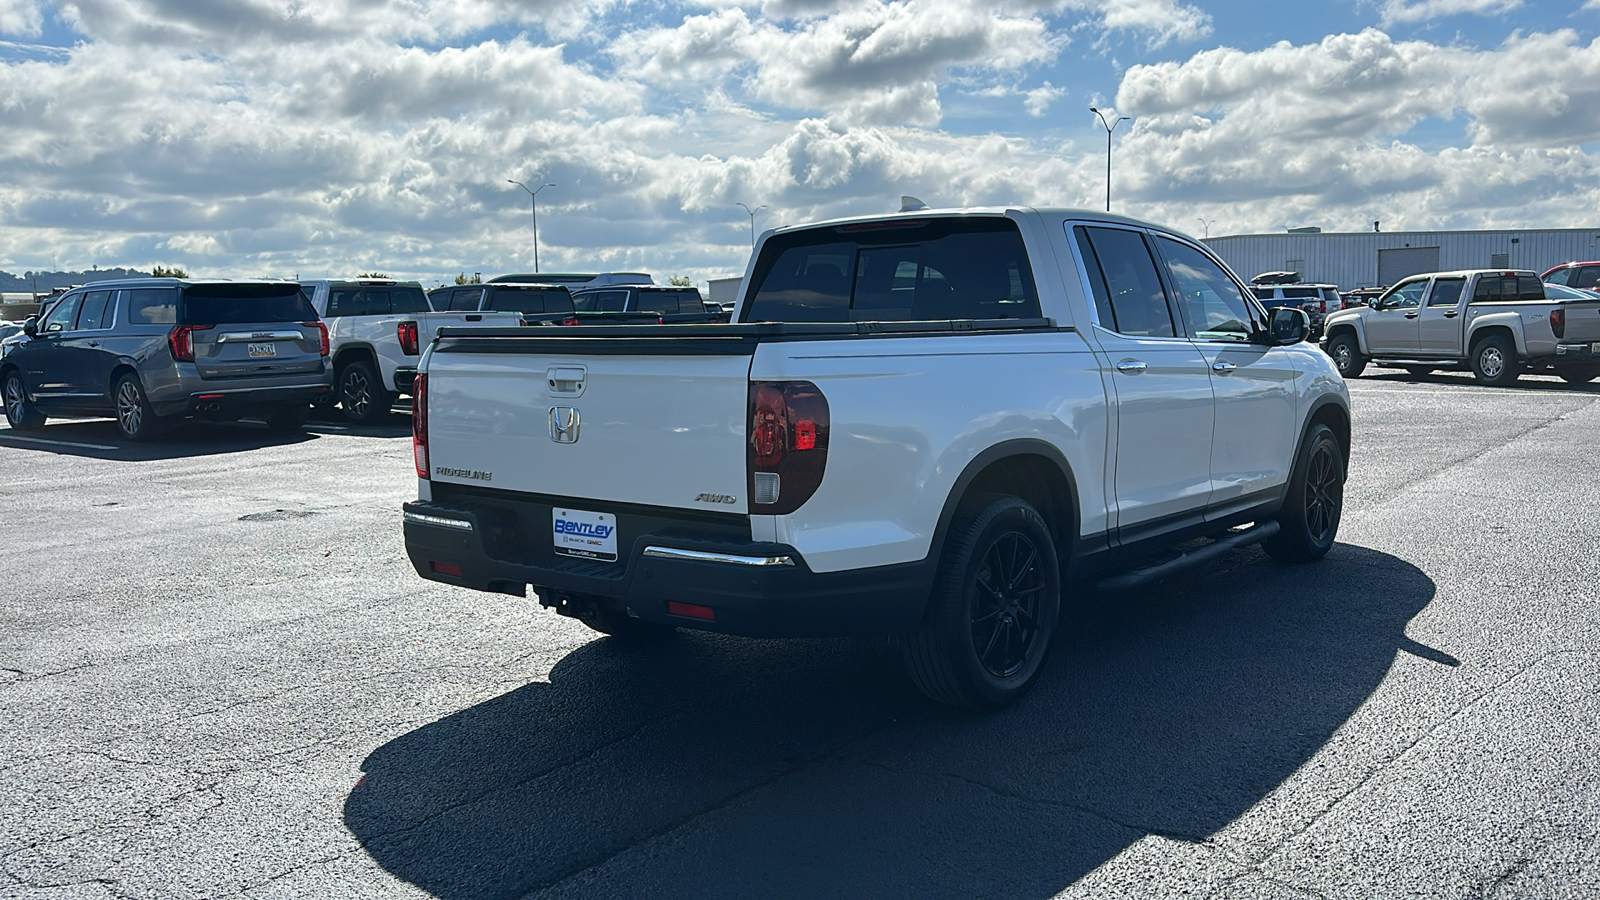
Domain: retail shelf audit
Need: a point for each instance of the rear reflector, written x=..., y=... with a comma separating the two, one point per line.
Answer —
x=209, y=397
x=444, y=568
x=691, y=611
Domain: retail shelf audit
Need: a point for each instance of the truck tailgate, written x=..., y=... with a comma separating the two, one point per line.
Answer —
x=658, y=430
x=1583, y=321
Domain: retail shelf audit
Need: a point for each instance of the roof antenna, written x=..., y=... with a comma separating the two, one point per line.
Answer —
x=909, y=203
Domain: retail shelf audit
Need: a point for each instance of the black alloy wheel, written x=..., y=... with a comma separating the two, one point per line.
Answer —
x=1005, y=611
x=361, y=395
x=993, y=612
x=1309, y=521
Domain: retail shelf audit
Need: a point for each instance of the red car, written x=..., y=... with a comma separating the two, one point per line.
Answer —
x=1575, y=274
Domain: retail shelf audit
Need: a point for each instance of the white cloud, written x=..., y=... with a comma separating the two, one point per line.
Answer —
x=1160, y=21
x=22, y=17
x=1393, y=11
x=1038, y=100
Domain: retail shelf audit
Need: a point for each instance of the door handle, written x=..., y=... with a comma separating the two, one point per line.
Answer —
x=1411, y=315
x=1131, y=367
x=1451, y=315
x=94, y=343
x=1223, y=367
x=474, y=318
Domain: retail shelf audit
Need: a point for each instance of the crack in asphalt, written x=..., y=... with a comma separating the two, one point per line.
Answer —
x=1383, y=765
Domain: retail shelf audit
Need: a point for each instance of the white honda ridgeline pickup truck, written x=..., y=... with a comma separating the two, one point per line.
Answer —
x=927, y=425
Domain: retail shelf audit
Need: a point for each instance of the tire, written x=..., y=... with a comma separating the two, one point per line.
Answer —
x=623, y=627
x=1346, y=355
x=22, y=415
x=136, y=421
x=1494, y=361
x=990, y=619
x=1309, y=520
x=288, y=417
x=1570, y=376
x=361, y=395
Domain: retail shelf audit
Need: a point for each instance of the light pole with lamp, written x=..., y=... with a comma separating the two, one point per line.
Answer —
x=533, y=199
x=1207, y=223
x=752, y=213
x=1110, y=127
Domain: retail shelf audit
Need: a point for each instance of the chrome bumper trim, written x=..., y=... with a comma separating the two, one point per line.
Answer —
x=702, y=556
x=441, y=521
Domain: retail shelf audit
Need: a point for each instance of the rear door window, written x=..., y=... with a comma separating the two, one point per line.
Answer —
x=465, y=299
x=1585, y=276
x=1128, y=294
x=1446, y=292
x=229, y=304
x=910, y=270
x=1559, y=276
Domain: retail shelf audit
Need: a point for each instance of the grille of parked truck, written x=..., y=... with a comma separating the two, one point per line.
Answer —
x=1499, y=324
x=937, y=425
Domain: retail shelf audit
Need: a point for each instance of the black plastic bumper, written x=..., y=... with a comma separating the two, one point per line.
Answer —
x=404, y=377
x=754, y=597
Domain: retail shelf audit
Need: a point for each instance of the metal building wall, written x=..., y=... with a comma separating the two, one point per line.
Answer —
x=1350, y=260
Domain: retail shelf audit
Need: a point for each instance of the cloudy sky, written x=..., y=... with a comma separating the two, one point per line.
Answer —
x=326, y=137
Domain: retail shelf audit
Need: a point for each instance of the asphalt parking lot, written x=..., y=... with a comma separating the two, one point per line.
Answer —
x=219, y=676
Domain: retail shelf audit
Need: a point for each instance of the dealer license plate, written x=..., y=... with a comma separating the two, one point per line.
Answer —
x=590, y=535
x=258, y=351
x=1595, y=348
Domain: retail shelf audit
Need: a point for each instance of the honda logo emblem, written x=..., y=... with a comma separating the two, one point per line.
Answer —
x=564, y=424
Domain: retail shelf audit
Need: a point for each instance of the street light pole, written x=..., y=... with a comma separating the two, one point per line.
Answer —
x=1207, y=223
x=1110, y=127
x=533, y=200
x=752, y=213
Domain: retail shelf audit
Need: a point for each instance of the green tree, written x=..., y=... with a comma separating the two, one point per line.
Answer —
x=680, y=281
x=475, y=279
x=165, y=272
x=372, y=275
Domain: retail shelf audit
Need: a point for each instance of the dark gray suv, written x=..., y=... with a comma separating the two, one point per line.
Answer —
x=152, y=350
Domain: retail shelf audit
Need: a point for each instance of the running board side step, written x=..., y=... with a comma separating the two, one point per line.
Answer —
x=1139, y=577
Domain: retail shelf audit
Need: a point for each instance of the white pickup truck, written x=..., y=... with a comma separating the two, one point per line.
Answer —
x=1497, y=323
x=376, y=329
x=927, y=425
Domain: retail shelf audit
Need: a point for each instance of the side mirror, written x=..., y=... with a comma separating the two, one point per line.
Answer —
x=30, y=326
x=1375, y=302
x=1287, y=325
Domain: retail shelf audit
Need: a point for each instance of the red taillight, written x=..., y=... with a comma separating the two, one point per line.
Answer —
x=407, y=332
x=322, y=333
x=570, y=320
x=419, y=424
x=1558, y=322
x=787, y=448
x=444, y=568
x=180, y=341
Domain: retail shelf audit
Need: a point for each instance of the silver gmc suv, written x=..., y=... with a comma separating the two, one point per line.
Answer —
x=153, y=350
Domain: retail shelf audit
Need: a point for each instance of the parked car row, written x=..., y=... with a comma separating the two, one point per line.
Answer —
x=151, y=351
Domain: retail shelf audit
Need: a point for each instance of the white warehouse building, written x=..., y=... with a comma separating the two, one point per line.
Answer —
x=1367, y=259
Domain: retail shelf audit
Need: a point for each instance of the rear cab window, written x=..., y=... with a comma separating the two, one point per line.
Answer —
x=375, y=300
x=1504, y=288
x=530, y=299
x=897, y=270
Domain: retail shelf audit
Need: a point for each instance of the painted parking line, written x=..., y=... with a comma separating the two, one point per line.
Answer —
x=6, y=434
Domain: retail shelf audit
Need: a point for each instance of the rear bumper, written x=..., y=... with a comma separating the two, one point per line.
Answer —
x=241, y=399
x=1588, y=353
x=404, y=377
x=752, y=589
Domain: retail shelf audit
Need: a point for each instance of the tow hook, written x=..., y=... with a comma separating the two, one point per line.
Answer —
x=568, y=605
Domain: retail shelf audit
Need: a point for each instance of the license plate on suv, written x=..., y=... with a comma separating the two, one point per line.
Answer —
x=260, y=351
x=589, y=535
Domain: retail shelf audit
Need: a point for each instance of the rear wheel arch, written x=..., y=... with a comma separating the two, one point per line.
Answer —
x=121, y=369
x=1488, y=331
x=1032, y=470
x=357, y=352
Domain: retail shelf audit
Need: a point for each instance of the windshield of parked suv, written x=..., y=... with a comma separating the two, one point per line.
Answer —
x=227, y=304
x=898, y=270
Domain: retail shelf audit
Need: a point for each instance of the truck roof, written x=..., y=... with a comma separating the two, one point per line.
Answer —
x=1090, y=215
